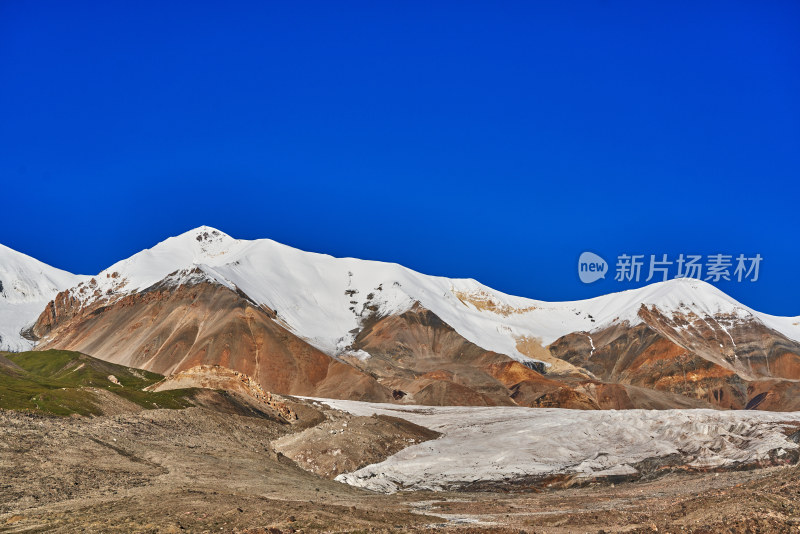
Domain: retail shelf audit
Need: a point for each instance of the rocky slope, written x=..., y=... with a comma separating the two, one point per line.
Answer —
x=187, y=320
x=723, y=359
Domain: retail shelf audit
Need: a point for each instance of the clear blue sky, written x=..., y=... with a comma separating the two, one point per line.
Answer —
x=469, y=139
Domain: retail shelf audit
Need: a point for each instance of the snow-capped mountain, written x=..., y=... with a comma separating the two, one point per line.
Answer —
x=204, y=297
x=26, y=286
x=323, y=299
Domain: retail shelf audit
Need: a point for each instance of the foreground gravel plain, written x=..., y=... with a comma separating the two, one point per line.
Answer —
x=201, y=470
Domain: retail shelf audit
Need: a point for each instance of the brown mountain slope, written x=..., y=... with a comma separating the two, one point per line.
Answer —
x=720, y=360
x=640, y=356
x=187, y=320
x=425, y=361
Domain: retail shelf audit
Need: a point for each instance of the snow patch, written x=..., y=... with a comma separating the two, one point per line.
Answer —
x=540, y=442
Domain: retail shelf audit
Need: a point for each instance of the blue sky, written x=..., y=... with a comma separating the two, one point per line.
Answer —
x=466, y=139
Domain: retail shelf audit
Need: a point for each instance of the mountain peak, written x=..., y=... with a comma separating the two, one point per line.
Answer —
x=202, y=240
x=194, y=246
x=202, y=233
x=208, y=242
x=688, y=293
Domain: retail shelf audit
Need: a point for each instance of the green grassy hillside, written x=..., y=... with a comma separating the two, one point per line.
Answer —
x=64, y=382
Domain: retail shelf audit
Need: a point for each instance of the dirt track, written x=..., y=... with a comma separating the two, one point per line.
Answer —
x=198, y=470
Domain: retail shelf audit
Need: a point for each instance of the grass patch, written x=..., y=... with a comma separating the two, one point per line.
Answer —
x=56, y=382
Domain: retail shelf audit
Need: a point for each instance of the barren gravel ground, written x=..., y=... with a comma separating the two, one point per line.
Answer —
x=198, y=470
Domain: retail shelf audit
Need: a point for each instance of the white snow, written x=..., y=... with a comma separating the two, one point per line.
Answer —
x=323, y=299
x=27, y=286
x=359, y=354
x=481, y=444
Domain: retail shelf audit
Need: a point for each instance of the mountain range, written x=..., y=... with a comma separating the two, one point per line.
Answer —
x=303, y=323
